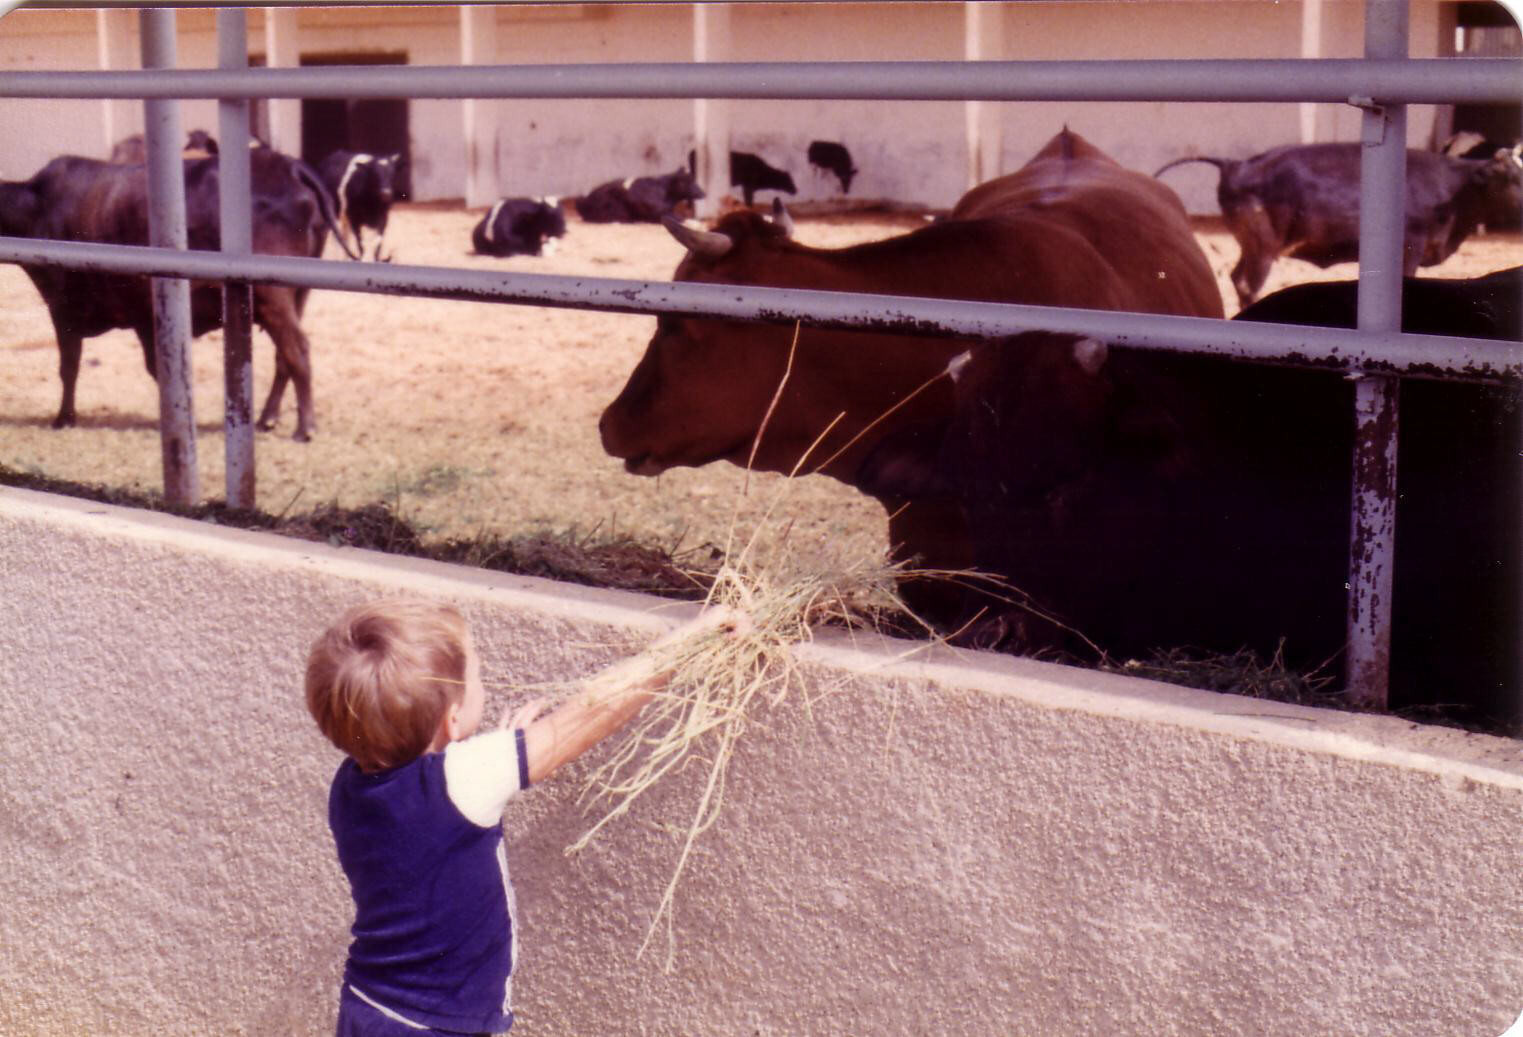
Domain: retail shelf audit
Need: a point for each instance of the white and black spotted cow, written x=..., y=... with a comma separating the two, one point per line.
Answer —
x=520, y=227
x=365, y=186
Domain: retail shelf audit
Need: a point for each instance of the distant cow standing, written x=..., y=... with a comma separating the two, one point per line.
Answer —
x=831, y=157
x=81, y=199
x=365, y=187
x=1303, y=201
x=752, y=173
x=520, y=227
x=638, y=199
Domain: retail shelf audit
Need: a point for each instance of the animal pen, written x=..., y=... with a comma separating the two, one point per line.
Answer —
x=1030, y=849
x=1375, y=355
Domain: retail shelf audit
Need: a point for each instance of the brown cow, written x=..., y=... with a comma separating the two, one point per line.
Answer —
x=1071, y=228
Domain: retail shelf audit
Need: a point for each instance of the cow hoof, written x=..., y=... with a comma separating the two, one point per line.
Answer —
x=63, y=421
x=301, y=437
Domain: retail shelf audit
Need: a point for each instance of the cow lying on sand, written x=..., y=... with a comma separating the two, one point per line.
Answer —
x=364, y=186
x=81, y=199
x=1070, y=228
x=1146, y=499
x=643, y=199
x=1303, y=201
x=520, y=227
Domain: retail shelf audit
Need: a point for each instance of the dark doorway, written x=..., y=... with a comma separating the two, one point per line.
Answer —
x=376, y=125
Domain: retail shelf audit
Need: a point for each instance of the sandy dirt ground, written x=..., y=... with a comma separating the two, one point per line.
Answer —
x=472, y=418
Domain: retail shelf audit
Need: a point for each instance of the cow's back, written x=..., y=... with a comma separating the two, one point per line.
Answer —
x=1134, y=222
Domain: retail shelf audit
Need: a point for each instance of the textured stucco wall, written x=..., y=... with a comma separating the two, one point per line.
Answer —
x=955, y=845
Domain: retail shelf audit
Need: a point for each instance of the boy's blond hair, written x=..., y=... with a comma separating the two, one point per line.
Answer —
x=380, y=679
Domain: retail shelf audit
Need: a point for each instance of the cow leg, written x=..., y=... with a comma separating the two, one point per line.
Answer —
x=271, y=412
x=277, y=315
x=70, y=347
x=150, y=350
x=1254, y=232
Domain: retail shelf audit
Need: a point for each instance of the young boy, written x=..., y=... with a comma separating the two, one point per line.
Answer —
x=416, y=809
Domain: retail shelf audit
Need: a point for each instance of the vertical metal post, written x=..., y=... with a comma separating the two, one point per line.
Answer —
x=712, y=41
x=1382, y=233
x=235, y=198
x=171, y=296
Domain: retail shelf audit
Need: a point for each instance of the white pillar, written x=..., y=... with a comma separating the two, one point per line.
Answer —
x=711, y=116
x=478, y=46
x=116, y=37
x=282, y=48
x=1320, y=33
x=983, y=40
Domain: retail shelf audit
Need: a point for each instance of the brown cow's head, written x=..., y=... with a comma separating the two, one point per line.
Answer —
x=703, y=388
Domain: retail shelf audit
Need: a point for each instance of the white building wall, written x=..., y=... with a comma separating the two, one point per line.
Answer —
x=907, y=151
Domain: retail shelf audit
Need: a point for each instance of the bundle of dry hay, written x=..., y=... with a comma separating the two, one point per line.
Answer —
x=719, y=682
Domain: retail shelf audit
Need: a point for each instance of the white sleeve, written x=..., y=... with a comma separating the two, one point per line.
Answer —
x=481, y=774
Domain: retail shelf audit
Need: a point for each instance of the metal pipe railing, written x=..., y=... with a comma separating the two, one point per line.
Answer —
x=1382, y=235
x=171, y=297
x=1330, y=348
x=235, y=202
x=1331, y=80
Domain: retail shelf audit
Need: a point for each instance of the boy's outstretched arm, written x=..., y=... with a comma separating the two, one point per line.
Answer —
x=572, y=728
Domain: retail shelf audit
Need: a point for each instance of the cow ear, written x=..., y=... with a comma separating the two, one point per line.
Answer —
x=1090, y=355
x=906, y=465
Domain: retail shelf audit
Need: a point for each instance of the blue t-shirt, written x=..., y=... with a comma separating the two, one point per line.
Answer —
x=422, y=847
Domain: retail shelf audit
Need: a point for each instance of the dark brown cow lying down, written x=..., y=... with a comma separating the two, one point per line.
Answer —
x=80, y=199
x=1149, y=499
x=1303, y=201
x=1071, y=228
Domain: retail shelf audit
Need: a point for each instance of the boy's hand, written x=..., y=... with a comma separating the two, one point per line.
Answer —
x=716, y=617
x=525, y=715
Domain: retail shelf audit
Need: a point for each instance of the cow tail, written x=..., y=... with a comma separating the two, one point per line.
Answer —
x=1222, y=164
x=325, y=202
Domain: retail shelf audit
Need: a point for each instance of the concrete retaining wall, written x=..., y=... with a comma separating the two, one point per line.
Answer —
x=955, y=844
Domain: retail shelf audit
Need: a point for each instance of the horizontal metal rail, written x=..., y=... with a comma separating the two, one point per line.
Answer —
x=1332, y=348
x=1332, y=80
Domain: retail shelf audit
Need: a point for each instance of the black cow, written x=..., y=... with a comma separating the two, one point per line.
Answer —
x=1303, y=201
x=133, y=150
x=520, y=227
x=365, y=186
x=638, y=200
x=751, y=173
x=831, y=157
x=1147, y=499
x=81, y=199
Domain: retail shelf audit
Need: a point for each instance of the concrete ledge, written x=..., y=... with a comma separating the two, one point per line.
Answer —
x=946, y=842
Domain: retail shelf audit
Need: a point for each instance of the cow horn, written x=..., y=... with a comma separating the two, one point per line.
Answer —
x=709, y=243
x=780, y=217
